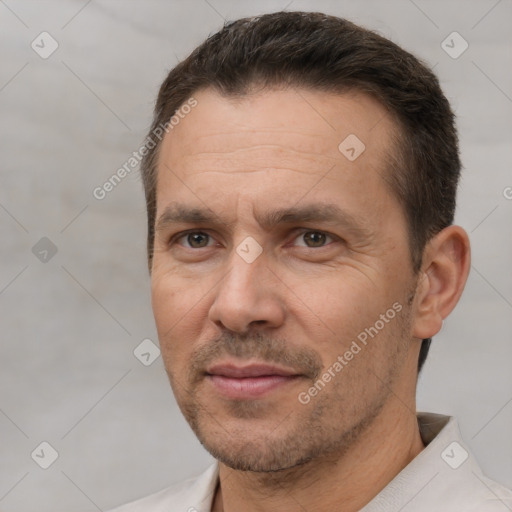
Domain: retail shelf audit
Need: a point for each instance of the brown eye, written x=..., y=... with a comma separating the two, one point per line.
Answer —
x=196, y=239
x=314, y=239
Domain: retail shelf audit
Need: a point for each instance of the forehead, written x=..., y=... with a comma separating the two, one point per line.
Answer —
x=307, y=126
x=277, y=146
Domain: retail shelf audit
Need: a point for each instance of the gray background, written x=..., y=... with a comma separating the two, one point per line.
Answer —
x=69, y=325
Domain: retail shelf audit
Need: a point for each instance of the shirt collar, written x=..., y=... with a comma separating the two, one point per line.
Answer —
x=442, y=469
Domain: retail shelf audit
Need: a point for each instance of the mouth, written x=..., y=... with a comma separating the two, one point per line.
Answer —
x=250, y=381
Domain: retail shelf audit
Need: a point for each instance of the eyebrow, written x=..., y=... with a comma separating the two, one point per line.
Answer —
x=178, y=213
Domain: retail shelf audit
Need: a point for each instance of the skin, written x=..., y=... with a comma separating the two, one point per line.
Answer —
x=301, y=303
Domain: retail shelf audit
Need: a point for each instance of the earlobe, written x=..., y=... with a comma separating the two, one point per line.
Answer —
x=443, y=277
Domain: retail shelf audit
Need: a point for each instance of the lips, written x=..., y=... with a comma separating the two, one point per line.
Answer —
x=252, y=370
x=248, y=381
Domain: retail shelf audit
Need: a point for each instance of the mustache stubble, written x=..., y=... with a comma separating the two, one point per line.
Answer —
x=256, y=345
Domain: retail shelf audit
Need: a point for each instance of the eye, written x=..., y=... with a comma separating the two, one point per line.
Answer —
x=200, y=239
x=313, y=239
x=195, y=239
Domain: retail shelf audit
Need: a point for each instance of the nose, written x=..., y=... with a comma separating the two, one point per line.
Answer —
x=247, y=296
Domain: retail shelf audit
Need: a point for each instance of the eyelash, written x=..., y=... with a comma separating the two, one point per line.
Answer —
x=183, y=234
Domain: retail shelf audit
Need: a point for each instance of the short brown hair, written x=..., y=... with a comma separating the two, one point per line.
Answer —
x=321, y=52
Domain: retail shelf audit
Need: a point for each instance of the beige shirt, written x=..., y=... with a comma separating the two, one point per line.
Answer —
x=444, y=477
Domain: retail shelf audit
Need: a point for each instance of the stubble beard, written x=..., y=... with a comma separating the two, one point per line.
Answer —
x=295, y=439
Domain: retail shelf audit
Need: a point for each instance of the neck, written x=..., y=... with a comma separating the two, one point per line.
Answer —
x=343, y=481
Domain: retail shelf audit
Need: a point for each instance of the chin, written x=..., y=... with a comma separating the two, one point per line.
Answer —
x=255, y=458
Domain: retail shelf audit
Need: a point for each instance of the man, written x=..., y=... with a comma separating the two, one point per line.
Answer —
x=300, y=179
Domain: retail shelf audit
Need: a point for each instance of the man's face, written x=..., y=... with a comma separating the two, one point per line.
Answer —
x=255, y=304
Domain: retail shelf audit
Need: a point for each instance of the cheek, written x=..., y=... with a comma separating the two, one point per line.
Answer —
x=169, y=307
x=177, y=309
x=347, y=308
x=163, y=302
x=340, y=302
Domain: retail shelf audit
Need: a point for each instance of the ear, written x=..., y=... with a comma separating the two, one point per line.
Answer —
x=445, y=269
